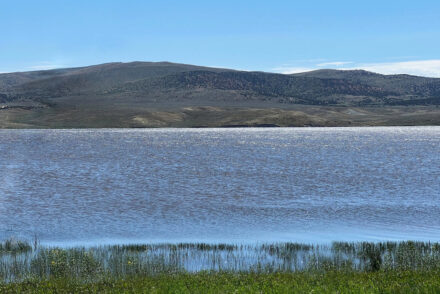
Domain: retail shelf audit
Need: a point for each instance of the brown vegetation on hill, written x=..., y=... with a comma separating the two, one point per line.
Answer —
x=163, y=94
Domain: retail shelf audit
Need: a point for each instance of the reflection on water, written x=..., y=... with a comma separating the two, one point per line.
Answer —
x=220, y=185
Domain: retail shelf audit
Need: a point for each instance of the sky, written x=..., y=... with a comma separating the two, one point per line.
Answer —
x=385, y=36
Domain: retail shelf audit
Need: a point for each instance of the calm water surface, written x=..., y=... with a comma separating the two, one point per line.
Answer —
x=309, y=185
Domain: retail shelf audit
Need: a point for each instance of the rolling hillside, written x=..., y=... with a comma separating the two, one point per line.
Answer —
x=148, y=94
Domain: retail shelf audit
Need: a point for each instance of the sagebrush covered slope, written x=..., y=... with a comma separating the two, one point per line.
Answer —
x=168, y=94
x=168, y=80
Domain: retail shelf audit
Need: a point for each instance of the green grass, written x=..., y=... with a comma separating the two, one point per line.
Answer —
x=226, y=282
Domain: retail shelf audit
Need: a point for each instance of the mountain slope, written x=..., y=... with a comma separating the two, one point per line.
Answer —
x=405, y=87
x=324, y=87
x=170, y=94
x=85, y=80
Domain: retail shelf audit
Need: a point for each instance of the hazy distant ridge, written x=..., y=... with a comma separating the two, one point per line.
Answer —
x=168, y=81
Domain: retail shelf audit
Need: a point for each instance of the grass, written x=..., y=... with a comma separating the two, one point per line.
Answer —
x=360, y=267
x=228, y=282
x=14, y=246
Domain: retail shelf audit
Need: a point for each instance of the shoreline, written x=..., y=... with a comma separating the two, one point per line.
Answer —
x=108, y=116
x=21, y=260
x=228, y=128
x=361, y=267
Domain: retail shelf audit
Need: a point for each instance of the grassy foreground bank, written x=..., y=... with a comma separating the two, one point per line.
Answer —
x=226, y=282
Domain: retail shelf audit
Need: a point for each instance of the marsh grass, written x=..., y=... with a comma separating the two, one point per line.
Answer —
x=19, y=261
x=13, y=246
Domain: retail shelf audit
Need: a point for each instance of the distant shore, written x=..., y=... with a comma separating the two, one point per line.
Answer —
x=165, y=94
x=83, y=116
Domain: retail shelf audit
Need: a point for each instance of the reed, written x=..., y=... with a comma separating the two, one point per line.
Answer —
x=13, y=246
x=20, y=261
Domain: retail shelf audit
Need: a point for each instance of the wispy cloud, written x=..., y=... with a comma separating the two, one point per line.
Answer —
x=334, y=63
x=426, y=68
x=45, y=66
x=292, y=70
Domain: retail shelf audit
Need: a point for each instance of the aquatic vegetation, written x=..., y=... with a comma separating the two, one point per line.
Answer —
x=19, y=261
x=341, y=267
x=14, y=246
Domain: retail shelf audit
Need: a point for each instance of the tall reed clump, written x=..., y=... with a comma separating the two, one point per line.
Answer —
x=12, y=246
x=20, y=261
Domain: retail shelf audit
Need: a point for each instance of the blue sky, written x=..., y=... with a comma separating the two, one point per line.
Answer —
x=278, y=36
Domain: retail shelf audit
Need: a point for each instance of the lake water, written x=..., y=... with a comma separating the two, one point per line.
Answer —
x=312, y=185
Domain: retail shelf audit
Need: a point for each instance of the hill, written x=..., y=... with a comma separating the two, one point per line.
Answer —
x=150, y=94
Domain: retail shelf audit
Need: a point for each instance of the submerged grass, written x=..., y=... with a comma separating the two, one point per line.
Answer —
x=193, y=267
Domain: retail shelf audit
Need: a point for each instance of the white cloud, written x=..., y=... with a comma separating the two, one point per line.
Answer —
x=291, y=70
x=426, y=68
x=334, y=63
x=44, y=66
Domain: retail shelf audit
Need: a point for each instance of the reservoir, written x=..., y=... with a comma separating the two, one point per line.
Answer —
x=234, y=185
